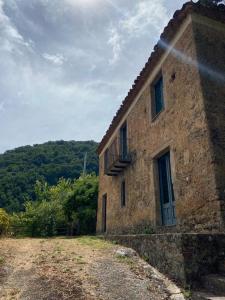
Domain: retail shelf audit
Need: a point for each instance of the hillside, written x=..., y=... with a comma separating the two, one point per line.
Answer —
x=21, y=167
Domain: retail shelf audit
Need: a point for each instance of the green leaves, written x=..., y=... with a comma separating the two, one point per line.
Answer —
x=4, y=221
x=83, y=202
x=67, y=207
x=22, y=167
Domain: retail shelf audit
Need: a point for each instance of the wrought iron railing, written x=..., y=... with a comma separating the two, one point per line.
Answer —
x=118, y=156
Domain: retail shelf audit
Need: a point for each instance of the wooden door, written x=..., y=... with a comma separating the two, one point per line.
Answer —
x=166, y=191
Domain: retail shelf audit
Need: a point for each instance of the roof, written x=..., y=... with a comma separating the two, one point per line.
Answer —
x=217, y=13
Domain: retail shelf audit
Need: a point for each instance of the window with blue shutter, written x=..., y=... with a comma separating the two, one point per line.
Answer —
x=158, y=104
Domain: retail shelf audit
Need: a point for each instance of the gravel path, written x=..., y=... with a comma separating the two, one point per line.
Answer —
x=82, y=268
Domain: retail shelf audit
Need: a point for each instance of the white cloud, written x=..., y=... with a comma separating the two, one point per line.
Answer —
x=147, y=15
x=11, y=39
x=56, y=59
x=2, y=106
x=115, y=41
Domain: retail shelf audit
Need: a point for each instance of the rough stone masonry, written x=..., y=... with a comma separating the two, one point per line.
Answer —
x=172, y=176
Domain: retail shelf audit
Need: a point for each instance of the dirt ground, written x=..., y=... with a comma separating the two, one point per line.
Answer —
x=82, y=268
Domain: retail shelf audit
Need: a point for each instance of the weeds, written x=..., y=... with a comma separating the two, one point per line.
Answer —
x=94, y=242
x=187, y=294
x=2, y=260
x=125, y=259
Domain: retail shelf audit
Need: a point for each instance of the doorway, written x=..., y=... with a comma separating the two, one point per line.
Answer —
x=167, y=199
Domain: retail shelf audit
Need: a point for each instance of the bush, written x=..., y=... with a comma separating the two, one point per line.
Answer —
x=4, y=221
x=80, y=207
x=66, y=208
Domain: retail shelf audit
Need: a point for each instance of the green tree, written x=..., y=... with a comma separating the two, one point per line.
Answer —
x=45, y=216
x=22, y=167
x=67, y=207
x=80, y=207
x=4, y=221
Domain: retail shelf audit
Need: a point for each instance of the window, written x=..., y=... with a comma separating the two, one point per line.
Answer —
x=123, y=193
x=123, y=141
x=157, y=95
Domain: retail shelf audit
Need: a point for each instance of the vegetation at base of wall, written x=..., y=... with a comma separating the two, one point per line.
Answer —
x=187, y=293
x=69, y=207
x=22, y=167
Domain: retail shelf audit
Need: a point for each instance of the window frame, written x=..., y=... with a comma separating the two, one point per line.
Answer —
x=154, y=114
x=123, y=147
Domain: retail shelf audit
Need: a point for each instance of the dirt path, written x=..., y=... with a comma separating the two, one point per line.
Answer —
x=83, y=268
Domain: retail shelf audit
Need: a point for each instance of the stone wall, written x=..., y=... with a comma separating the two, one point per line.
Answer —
x=183, y=129
x=210, y=45
x=183, y=257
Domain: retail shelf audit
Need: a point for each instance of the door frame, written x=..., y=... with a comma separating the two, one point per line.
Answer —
x=167, y=147
x=170, y=205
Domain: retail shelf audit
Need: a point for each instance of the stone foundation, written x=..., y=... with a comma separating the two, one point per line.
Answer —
x=184, y=258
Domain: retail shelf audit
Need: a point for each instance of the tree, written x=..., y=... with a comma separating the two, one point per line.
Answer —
x=4, y=221
x=80, y=207
x=22, y=167
x=45, y=216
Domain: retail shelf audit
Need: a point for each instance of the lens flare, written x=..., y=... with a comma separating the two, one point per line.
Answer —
x=205, y=69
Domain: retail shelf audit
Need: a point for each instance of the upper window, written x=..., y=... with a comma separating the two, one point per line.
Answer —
x=123, y=193
x=123, y=141
x=158, y=99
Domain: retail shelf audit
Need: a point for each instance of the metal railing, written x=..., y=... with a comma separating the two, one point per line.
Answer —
x=117, y=154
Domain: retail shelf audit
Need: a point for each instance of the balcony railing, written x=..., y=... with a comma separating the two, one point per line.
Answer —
x=118, y=157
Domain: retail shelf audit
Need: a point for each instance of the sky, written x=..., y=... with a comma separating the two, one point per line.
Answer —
x=67, y=65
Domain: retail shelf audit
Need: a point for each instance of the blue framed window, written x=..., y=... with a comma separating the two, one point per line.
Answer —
x=158, y=104
x=123, y=141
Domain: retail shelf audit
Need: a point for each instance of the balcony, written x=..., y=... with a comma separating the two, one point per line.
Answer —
x=117, y=157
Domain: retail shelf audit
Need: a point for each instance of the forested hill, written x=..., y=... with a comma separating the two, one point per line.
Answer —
x=21, y=167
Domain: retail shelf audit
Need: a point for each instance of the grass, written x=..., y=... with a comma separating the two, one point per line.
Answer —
x=125, y=259
x=93, y=242
x=79, y=260
x=2, y=260
x=187, y=294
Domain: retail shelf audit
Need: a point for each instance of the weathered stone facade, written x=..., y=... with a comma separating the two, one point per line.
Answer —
x=185, y=258
x=191, y=127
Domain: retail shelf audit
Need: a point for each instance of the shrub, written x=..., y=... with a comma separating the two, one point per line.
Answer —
x=4, y=221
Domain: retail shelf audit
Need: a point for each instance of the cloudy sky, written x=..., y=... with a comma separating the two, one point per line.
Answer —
x=66, y=65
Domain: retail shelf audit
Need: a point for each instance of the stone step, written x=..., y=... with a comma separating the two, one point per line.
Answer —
x=214, y=283
x=205, y=296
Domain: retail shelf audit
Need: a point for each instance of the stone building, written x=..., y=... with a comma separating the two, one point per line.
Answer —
x=162, y=160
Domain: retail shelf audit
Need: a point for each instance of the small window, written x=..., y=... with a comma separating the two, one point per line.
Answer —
x=123, y=141
x=158, y=99
x=123, y=193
